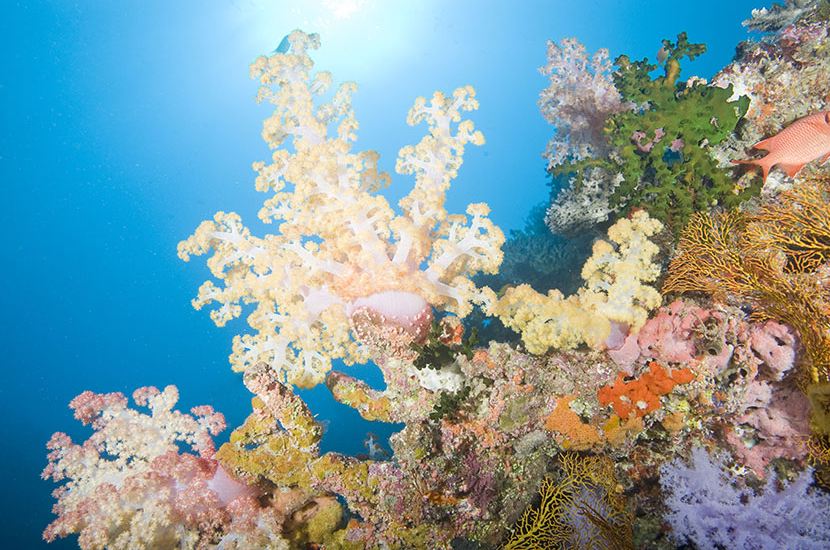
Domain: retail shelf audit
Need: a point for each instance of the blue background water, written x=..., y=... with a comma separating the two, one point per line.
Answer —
x=124, y=124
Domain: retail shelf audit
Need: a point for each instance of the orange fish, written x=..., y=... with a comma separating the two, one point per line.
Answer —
x=801, y=142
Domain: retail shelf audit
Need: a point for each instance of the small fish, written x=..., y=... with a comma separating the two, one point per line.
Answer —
x=803, y=141
x=283, y=47
x=376, y=452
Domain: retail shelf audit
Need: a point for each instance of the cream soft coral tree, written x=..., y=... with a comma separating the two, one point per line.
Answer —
x=342, y=263
x=615, y=294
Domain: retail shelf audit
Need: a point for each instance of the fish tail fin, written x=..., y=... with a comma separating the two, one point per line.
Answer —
x=762, y=162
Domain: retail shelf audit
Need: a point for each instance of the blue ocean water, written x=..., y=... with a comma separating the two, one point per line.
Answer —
x=123, y=125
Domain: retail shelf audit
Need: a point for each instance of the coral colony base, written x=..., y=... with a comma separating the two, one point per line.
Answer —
x=655, y=404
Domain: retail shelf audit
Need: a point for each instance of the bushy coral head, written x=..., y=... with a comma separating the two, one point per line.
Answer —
x=616, y=296
x=707, y=506
x=150, y=480
x=659, y=147
x=340, y=250
x=579, y=98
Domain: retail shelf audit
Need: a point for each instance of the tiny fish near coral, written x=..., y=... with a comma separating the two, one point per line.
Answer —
x=803, y=141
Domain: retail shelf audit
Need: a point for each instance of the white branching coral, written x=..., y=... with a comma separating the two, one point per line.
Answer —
x=580, y=97
x=778, y=15
x=340, y=249
x=583, y=205
x=616, y=295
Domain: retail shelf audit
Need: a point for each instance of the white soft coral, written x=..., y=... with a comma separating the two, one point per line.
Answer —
x=338, y=242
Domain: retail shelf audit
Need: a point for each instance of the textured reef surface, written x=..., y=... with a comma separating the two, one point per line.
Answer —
x=675, y=394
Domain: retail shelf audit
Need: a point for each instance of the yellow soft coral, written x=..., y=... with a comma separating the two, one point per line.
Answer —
x=340, y=248
x=615, y=291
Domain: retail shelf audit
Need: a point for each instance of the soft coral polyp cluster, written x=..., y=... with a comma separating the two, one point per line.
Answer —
x=151, y=480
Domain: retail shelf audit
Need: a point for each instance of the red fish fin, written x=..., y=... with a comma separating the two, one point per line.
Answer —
x=825, y=158
x=791, y=169
x=764, y=144
x=762, y=162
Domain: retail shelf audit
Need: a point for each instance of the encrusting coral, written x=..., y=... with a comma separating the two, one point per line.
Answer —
x=642, y=396
x=343, y=269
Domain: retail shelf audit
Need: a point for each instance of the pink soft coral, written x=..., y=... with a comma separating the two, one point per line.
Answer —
x=132, y=484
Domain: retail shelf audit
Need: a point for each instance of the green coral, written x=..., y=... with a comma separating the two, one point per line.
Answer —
x=662, y=145
x=436, y=352
x=450, y=404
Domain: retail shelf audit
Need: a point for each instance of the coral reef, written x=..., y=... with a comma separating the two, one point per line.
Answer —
x=785, y=75
x=578, y=100
x=130, y=485
x=343, y=269
x=584, y=202
x=657, y=152
x=779, y=16
x=580, y=510
x=774, y=262
x=673, y=174
x=572, y=432
x=642, y=396
x=536, y=257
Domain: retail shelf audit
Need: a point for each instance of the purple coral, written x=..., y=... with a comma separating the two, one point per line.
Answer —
x=580, y=97
x=638, y=136
x=479, y=481
x=708, y=507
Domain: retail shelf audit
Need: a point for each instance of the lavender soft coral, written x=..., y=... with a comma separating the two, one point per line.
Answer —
x=580, y=97
x=578, y=100
x=708, y=507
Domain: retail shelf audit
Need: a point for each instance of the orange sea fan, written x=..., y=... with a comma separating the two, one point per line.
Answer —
x=773, y=261
x=798, y=224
